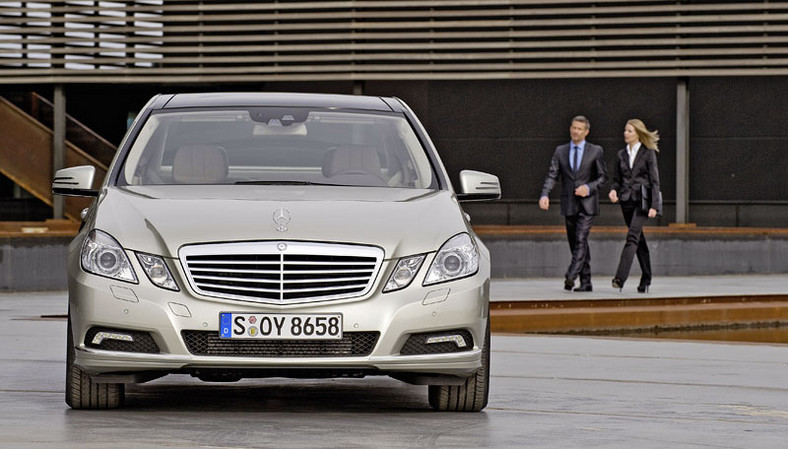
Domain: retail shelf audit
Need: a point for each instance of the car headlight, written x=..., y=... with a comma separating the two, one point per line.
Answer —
x=457, y=258
x=102, y=255
x=156, y=270
x=403, y=273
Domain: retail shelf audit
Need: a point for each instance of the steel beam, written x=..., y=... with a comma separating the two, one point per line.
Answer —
x=58, y=145
x=682, y=150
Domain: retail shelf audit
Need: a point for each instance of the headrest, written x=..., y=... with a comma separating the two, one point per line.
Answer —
x=355, y=158
x=200, y=164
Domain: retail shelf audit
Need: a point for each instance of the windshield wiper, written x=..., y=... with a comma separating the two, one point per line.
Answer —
x=282, y=183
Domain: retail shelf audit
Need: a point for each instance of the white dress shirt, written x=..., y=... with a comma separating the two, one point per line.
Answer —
x=633, y=152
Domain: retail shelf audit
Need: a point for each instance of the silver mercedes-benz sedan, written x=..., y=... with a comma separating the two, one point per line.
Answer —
x=243, y=235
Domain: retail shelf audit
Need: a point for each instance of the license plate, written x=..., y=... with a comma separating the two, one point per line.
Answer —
x=280, y=326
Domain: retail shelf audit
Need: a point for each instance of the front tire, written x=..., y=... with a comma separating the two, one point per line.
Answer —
x=81, y=391
x=472, y=395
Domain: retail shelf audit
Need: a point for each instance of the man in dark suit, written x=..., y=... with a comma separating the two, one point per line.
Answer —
x=583, y=171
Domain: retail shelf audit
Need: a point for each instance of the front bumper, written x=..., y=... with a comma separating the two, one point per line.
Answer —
x=100, y=302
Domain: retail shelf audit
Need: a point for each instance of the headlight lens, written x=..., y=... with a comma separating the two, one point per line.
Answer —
x=403, y=273
x=457, y=258
x=102, y=255
x=156, y=270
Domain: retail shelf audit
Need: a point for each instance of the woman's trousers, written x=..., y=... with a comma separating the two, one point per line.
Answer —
x=635, y=244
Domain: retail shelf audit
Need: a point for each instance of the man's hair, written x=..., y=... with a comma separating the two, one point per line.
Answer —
x=582, y=119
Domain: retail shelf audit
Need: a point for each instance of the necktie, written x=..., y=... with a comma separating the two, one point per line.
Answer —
x=574, y=162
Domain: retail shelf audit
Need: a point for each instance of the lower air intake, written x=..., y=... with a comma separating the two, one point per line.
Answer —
x=352, y=344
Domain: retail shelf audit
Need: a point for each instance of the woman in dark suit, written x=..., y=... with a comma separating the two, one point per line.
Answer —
x=636, y=175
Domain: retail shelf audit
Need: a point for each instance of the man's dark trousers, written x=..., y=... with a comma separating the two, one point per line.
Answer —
x=578, y=227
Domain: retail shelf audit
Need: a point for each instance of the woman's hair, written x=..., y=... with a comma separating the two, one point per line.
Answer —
x=648, y=138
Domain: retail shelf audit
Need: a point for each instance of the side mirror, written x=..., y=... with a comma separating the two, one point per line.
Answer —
x=75, y=181
x=478, y=186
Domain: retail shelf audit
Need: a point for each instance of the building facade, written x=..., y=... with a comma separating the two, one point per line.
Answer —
x=495, y=81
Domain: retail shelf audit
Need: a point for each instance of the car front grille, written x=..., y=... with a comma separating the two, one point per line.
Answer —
x=352, y=344
x=281, y=272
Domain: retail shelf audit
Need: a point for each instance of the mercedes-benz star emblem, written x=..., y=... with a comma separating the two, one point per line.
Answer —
x=281, y=219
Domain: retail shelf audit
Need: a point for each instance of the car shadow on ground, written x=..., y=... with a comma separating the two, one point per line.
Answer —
x=378, y=394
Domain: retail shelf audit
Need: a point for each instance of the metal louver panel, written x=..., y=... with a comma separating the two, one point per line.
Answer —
x=281, y=272
x=150, y=41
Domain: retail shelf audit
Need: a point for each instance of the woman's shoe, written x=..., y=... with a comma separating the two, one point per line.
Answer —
x=644, y=283
x=618, y=283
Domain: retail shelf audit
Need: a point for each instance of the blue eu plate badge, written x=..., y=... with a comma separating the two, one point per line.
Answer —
x=225, y=326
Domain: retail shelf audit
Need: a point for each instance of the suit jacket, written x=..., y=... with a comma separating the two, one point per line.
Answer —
x=644, y=172
x=592, y=172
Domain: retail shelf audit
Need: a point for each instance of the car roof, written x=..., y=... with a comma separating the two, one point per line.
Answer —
x=257, y=99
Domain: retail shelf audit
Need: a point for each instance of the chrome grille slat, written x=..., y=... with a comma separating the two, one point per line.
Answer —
x=205, y=272
x=341, y=287
x=199, y=271
x=290, y=262
x=281, y=272
x=234, y=262
x=326, y=280
x=357, y=270
x=203, y=279
x=240, y=289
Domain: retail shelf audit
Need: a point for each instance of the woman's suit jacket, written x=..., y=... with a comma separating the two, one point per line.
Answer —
x=644, y=172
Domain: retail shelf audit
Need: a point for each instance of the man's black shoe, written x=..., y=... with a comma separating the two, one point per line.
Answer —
x=568, y=284
x=584, y=288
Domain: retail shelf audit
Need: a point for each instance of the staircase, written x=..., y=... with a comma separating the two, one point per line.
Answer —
x=26, y=149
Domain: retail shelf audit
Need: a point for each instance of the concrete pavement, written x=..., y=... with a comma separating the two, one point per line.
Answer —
x=546, y=392
x=551, y=289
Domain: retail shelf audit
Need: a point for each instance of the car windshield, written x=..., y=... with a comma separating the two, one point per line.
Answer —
x=301, y=146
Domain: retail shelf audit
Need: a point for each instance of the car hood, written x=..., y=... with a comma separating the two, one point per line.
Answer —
x=161, y=219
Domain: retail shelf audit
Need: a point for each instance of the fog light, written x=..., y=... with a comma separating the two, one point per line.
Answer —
x=456, y=339
x=101, y=336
